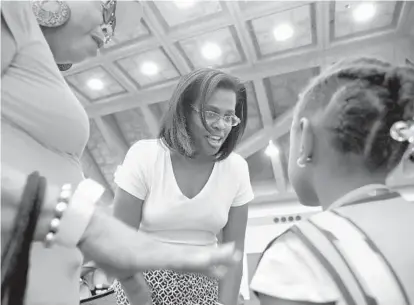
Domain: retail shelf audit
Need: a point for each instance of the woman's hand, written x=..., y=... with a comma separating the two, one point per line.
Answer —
x=137, y=290
x=122, y=251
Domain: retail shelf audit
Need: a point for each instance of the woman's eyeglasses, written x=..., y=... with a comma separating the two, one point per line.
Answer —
x=109, y=19
x=212, y=117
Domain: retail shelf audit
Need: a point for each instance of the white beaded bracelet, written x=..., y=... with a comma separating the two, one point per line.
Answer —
x=63, y=201
x=79, y=213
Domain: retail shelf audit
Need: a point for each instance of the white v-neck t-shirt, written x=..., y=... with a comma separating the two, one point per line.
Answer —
x=167, y=214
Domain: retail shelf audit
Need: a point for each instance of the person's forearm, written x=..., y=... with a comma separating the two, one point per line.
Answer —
x=122, y=251
x=229, y=286
x=110, y=242
x=115, y=247
x=107, y=239
x=137, y=290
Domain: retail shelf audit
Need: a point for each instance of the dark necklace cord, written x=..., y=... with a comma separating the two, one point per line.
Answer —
x=16, y=255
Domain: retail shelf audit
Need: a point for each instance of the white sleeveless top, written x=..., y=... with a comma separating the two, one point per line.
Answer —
x=43, y=128
x=290, y=270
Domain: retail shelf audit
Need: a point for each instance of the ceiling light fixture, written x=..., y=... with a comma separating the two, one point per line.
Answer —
x=184, y=4
x=149, y=68
x=364, y=12
x=283, y=32
x=272, y=150
x=95, y=84
x=211, y=51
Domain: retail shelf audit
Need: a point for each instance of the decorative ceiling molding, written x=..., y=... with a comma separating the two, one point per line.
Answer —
x=243, y=30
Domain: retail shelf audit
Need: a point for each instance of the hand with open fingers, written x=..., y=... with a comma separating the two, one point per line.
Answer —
x=213, y=262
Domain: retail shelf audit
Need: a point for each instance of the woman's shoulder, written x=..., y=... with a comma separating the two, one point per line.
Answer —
x=20, y=19
x=234, y=160
x=19, y=10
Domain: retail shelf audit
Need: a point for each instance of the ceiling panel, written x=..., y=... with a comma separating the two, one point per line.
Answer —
x=345, y=13
x=102, y=155
x=219, y=49
x=95, y=84
x=149, y=68
x=179, y=31
x=282, y=90
x=301, y=21
x=248, y=5
x=134, y=34
x=133, y=125
x=254, y=122
x=260, y=167
x=183, y=12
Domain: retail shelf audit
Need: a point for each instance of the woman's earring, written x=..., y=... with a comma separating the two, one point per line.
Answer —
x=51, y=13
x=302, y=163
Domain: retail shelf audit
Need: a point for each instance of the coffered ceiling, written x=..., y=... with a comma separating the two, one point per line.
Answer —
x=274, y=46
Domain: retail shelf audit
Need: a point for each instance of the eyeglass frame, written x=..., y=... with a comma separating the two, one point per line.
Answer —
x=219, y=117
x=108, y=21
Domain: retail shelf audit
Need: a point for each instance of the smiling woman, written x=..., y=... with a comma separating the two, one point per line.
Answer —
x=188, y=186
x=220, y=102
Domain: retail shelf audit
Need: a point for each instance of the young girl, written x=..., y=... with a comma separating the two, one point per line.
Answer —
x=351, y=128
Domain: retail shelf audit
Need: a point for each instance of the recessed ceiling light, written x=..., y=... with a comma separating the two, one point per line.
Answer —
x=364, y=12
x=283, y=32
x=149, y=68
x=184, y=4
x=95, y=84
x=271, y=149
x=211, y=51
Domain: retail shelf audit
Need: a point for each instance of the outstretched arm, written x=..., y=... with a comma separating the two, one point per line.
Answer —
x=114, y=246
x=234, y=232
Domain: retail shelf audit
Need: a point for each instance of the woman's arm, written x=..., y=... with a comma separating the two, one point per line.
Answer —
x=128, y=209
x=111, y=244
x=137, y=290
x=234, y=231
x=123, y=252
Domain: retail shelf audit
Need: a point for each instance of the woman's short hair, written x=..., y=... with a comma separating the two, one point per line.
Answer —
x=200, y=85
x=366, y=96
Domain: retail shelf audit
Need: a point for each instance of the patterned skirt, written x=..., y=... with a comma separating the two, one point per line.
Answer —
x=172, y=288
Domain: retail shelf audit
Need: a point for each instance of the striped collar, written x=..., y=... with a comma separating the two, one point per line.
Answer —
x=370, y=190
